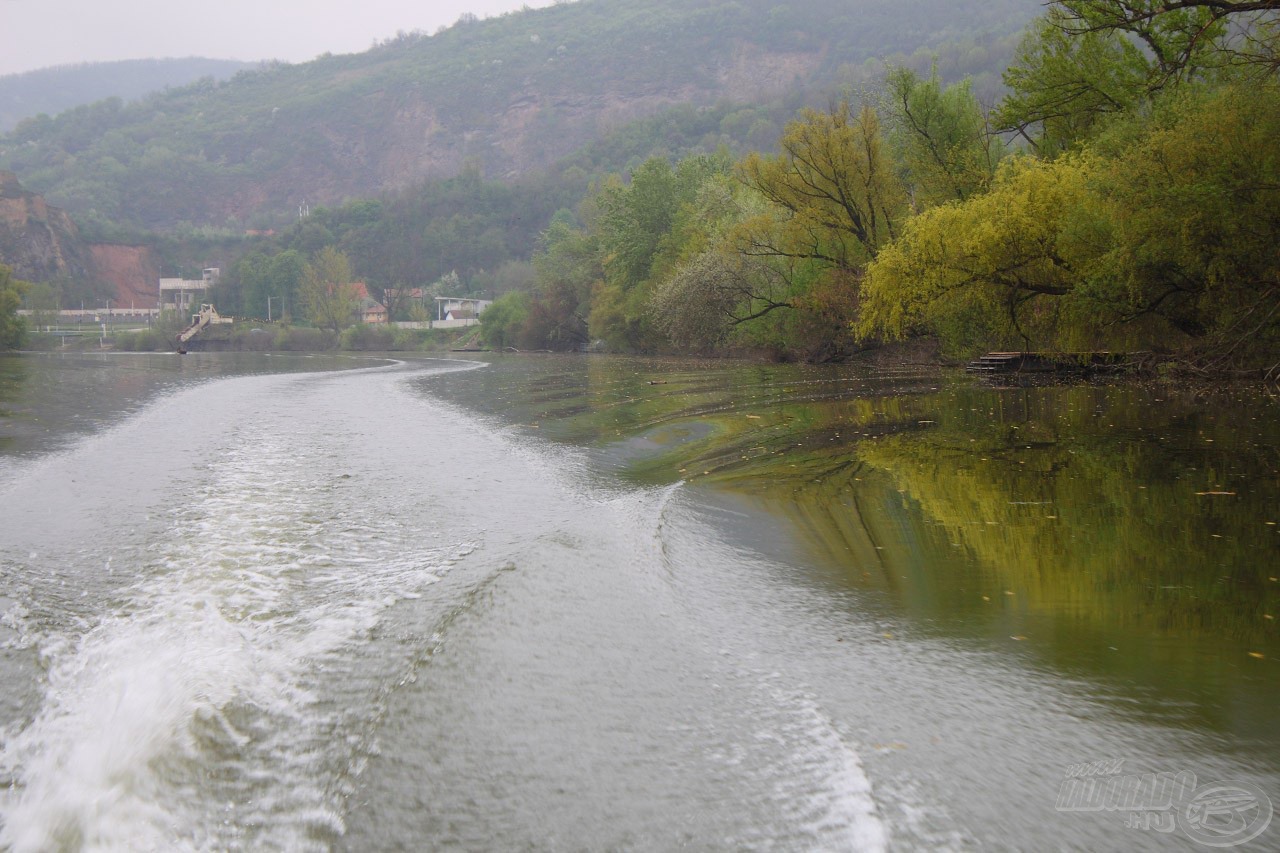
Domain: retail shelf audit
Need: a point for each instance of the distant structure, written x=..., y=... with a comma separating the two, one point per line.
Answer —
x=453, y=310
x=180, y=294
x=371, y=311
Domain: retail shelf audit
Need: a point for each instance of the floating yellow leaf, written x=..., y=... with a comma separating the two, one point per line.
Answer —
x=1258, y=655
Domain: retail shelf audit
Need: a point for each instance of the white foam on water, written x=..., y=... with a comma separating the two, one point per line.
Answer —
x=812, y=778
x=191, y=715
x=840, y=809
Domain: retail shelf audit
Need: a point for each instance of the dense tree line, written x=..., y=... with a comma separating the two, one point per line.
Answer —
x=1125, y=194
x=466, y=235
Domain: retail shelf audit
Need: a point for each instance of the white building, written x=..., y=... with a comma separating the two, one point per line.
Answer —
x=180, y=294
x=455, y=308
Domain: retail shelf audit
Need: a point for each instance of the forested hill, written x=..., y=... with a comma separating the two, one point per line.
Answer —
x=506, y=96
x=54, y=90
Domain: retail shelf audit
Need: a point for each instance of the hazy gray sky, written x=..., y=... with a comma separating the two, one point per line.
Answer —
x=40, y=33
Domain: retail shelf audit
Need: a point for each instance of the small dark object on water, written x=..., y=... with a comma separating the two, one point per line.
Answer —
x=657, y=382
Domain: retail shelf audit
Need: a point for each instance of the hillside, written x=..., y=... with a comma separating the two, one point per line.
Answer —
x=38, y=241
x=41, y=243
x=508, y=96
x=55, y=90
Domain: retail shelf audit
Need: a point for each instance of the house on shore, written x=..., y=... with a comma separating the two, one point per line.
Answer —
x=457, y=312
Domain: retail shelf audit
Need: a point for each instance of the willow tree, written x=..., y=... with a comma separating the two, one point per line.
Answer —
x=834, y=187
x=327, y=291
x=832, y=200
x=1193, y=194
x=709, y=296
x=1185, y=38
x=994, y=269
x=1086, y=61
x=940, y=136
x=1063, y=86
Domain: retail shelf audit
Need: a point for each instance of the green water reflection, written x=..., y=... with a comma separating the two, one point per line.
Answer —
x=1123, y=533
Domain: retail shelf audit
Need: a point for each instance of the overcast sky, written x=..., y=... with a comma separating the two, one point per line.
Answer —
x=39, y=33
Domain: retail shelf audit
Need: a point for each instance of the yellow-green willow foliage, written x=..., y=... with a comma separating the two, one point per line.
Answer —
x=988, y=269
x=834, y=187
x=1160, y=234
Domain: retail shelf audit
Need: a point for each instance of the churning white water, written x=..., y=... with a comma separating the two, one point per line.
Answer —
x=217, y=606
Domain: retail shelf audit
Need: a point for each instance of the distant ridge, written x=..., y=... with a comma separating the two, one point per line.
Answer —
x=505, y=97
x=62, y=87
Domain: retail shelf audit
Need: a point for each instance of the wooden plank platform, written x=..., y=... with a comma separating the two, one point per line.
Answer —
x=1041, y=362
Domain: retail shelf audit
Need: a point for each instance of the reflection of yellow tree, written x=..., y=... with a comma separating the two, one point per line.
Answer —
x=942, y=496
x=1099, y=525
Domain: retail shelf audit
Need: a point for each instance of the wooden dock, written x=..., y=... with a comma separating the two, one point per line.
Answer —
x=1040, y=362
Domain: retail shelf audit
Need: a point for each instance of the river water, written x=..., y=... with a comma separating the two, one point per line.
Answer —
x=584, y=603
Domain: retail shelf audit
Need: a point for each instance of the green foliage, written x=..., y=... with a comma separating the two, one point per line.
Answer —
x=1187, y=40
x=276, y=278
x=833, y=187
x=940, y=137
x=1162, y=233
x=999, y=255
x=366, y=338
x=296, y=339
x=643, y=229
x=1088, y=60
x=13, y=329
x=327, y=291
x=1063, y=87
x=502, y=323
x=43, y=300
x=568, y=271
x=142, y=340
x=635, y=218
x=1192, y=196
x=1157, y=231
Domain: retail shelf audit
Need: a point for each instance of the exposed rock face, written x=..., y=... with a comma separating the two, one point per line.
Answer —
x=132, y=271
x=38, y=241
x=41, y=243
